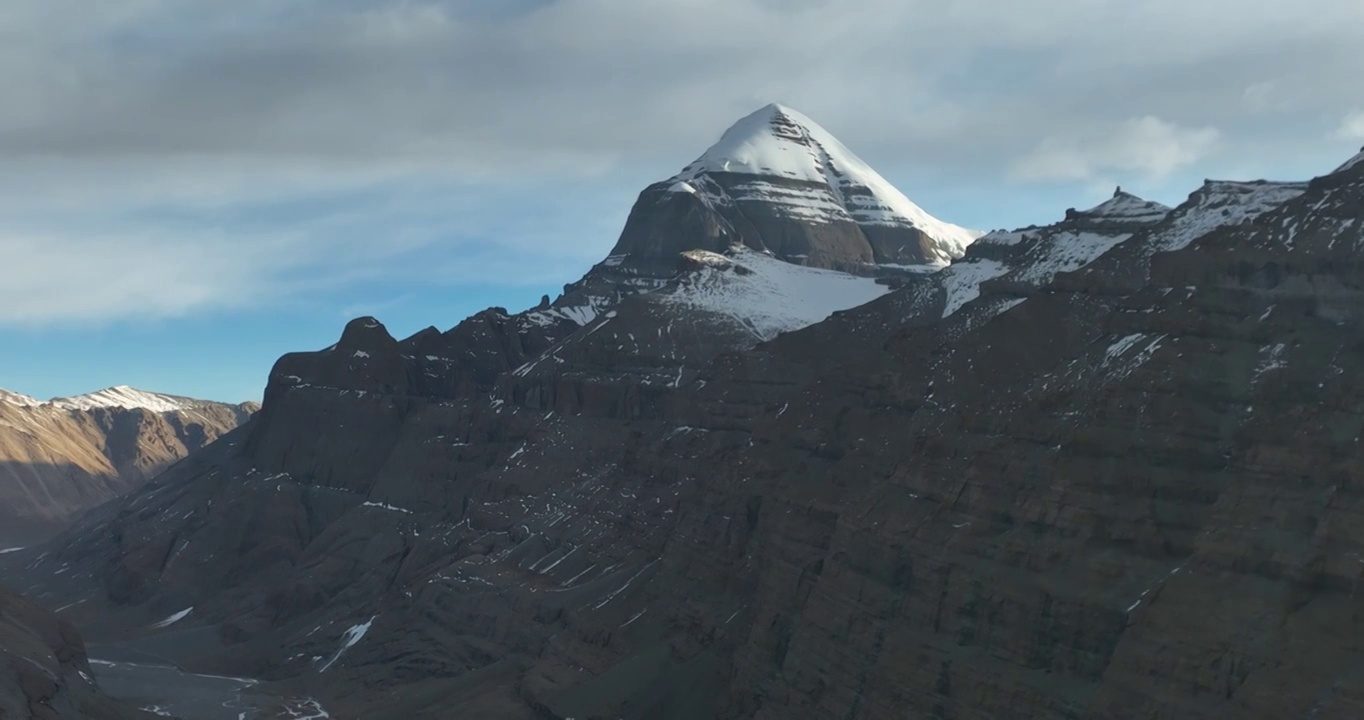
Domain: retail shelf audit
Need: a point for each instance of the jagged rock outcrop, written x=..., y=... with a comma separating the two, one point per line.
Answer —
x=63, y=457
x=1102, y=468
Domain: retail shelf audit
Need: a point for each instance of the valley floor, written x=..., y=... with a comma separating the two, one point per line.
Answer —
x=165, y=690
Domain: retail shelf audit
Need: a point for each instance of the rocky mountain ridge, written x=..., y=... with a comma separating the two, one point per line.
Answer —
x=1101, y=468
x=62, y=457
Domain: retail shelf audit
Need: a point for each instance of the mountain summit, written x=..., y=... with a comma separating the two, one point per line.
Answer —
x=779, y=183
x=778, y=141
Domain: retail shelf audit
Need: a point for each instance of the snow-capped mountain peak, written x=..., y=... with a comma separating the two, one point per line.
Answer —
x=780, y=143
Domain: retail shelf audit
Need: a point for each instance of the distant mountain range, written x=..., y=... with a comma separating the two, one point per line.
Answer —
x=62, y=457
x=796, y=449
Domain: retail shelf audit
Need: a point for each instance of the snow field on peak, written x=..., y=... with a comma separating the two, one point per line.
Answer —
x=775, y=297
x=778, y=141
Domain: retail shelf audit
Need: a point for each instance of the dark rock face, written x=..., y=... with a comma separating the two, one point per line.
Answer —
x=44, y=673
x=725, y=209
x=1104, y=468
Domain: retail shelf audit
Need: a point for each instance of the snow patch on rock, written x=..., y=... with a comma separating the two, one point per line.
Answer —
x=1222, y=203
x=766, y=295
x=349, y=639
x=1068, y=251
x=962, y=281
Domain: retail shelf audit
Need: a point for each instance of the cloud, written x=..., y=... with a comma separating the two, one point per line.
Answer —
x=233, y=249
x=1148, y=145
x=1261, y=97
x=551, y=86
x=114, y=277
x=519, y=131
x=1352, y=127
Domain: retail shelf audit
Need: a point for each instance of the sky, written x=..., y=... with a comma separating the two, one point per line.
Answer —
x=191, y=188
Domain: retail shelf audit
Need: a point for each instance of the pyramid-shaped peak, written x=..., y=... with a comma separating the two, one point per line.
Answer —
x=780, y=144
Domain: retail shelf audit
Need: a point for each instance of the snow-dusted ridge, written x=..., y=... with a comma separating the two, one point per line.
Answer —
x=121, y=396
x=1220, y=203
x=1353, y=162
x=779, y=142
x=1126, y=207
x=13, y=398
x=130, y=398
x=1123, y=209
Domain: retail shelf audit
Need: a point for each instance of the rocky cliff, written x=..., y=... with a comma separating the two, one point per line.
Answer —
x=44, y=673
x=1102, y=468
x=62, y=457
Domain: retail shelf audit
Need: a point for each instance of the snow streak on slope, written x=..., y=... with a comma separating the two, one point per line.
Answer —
x=780, y=142
x=177, y=617
x=772, y=297
x=126, y=397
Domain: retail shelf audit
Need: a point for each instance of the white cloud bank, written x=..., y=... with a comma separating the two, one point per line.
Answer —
x=1148, y=146
x=1352, y=127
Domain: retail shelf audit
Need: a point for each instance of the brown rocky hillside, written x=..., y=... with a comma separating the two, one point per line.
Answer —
x=61, y=458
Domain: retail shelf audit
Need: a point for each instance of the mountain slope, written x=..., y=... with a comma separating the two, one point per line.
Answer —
x=62, y=457
x=1101, y=468
x=44, y=672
